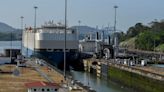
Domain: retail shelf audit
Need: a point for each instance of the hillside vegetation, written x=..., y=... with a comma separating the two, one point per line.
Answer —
x=129, y=43
x=8, y=33
x=145, y=37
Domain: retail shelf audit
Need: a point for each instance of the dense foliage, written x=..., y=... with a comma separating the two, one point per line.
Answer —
x=147, y=37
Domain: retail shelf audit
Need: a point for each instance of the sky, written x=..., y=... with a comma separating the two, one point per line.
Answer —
x=90, y=12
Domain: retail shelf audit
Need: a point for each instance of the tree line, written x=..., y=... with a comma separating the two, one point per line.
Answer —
x=148, y=37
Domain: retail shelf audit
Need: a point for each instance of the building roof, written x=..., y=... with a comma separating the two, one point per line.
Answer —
x=41, y=84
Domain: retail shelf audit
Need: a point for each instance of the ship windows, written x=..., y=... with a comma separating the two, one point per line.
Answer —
x=56, y=89
x=73, y=50
x=67, y=50
x=40, y=49
x=48, y=89
x=50, y=50
x=73, y=31
x=58, y=50
x=34, y=89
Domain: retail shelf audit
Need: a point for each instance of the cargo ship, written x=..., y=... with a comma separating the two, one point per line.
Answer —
x=47, y=42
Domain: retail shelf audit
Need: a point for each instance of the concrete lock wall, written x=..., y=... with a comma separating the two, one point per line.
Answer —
x=135, y=81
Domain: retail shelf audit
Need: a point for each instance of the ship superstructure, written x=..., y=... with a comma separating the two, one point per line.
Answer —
x=48, y=42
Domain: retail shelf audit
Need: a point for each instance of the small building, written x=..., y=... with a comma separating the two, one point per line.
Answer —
x=42, y=87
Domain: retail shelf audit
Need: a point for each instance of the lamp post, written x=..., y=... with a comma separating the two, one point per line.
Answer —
x=115, y=35
x=27, y=43
x=78, y=31
x=35, y=7
x=65, y=29
x=21, y=33
x=11, y=46
x=79, y=22
x=115, y=16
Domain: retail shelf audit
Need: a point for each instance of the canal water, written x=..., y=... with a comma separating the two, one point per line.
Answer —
x=158, y=65
x=100, y=85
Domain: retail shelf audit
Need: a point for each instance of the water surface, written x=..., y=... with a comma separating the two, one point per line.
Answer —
x=158, y=65
x=100, y=85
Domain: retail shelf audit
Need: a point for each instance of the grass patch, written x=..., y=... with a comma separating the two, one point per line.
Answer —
x=135, y=81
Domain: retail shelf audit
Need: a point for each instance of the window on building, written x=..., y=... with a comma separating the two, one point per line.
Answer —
x=42, y=89
x=34, y=89
x=48, y=89
x=56, y=89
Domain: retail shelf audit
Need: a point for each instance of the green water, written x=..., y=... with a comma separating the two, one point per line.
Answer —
x=100, y=85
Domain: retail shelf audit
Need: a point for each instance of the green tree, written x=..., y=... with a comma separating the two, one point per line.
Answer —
x=147, y=40
x=136, y=30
